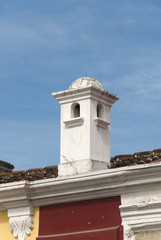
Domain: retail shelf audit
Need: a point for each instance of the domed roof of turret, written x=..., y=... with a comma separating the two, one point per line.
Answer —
x=5, y=166
x=85, y=82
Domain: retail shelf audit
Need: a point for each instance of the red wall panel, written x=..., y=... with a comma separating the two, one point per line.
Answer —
x=87, y=220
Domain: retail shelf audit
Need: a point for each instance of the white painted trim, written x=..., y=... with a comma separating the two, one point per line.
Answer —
x=67, y=96
x=74, y=122
x=141, y=212
x=131, y=229
x=101, y=123
x=21, y=221
x=98, y=184
x=138, y=213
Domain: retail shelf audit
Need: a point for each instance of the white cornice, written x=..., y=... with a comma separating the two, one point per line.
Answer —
x=86, y=93
x=15, y=194
x=107, y=183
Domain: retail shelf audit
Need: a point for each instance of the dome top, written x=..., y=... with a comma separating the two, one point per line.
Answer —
x=85, y=82
x=5, y=166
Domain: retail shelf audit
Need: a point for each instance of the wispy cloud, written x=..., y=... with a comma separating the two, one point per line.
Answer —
x=46, y=45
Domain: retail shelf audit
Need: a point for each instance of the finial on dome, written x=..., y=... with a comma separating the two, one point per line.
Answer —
x=85, y=82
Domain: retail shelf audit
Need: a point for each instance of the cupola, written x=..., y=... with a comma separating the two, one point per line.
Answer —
x=85, y=127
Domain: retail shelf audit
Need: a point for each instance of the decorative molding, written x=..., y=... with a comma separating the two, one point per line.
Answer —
x=21, y=226
x=132, y=229
x=141, y=212
x=128, y=233
x=105, y=97
x=74, y=122
x=21, y=221
x=101, y=123
x=93, y=185
x=99, y=184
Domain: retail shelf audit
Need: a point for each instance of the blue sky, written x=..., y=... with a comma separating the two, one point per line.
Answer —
x=45, y=45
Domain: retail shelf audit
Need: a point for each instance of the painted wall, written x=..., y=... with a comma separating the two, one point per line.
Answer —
x=156, y=235
x=5, y=232
x=77, y=141
x=85, y=220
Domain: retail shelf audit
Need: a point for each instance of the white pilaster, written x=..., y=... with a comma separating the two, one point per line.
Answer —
x=140, y=212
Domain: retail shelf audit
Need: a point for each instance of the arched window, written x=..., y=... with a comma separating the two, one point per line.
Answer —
x=99, y=110
x=75, y=110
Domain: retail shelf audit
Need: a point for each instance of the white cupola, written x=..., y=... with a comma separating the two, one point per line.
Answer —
x=85, y=127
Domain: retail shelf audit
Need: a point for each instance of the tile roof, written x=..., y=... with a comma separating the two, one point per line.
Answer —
x=136, y=158
x=29, y=175
x=52, y=171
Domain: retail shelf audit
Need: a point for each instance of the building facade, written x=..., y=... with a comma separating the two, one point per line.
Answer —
x=88, y=196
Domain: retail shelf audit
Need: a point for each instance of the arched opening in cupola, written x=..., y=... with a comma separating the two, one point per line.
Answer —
x=75, y=110
x=99, y=110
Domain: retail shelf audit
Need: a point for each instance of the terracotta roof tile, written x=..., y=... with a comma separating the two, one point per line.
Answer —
x=30, y=174
x=35, y=169
x=52, y=171
x=136, y=158
x=48, y=167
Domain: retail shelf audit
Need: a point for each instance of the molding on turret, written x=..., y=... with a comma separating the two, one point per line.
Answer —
x=80, y=167
x=101, y=123
x=74, y=122
x=105, y=97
